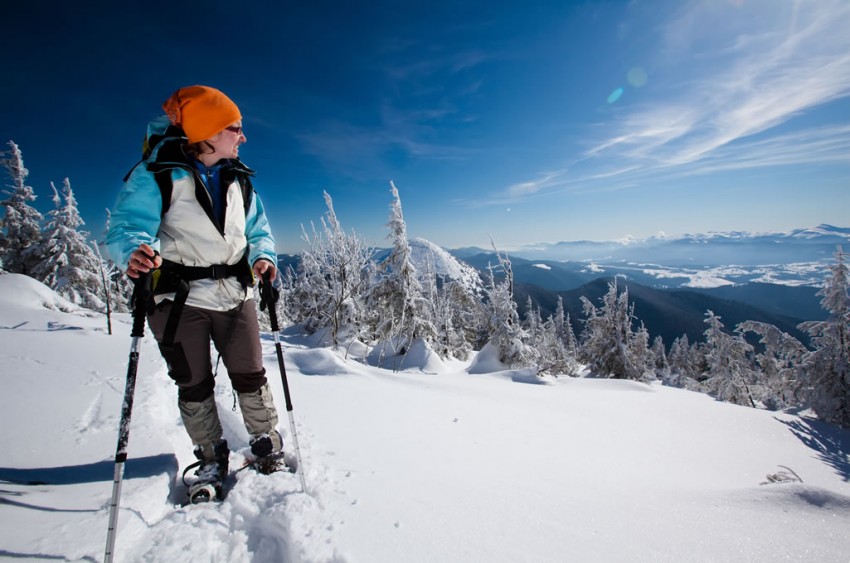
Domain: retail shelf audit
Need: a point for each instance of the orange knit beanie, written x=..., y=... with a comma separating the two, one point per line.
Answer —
x=201, y=111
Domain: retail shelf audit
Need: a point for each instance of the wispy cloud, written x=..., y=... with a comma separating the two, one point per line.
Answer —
x=735, y=72
x=532, y=187
x=780, y=66
x=820, y=145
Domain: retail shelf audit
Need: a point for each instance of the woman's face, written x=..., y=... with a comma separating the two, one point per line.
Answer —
x=226, y=143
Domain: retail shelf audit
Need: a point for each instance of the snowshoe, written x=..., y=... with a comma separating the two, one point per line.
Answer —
x=200, y=492
x=210, y=473
x=263, y=459
x=269, y=464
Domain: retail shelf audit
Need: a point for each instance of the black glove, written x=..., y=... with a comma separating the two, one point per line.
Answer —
x=268, y=293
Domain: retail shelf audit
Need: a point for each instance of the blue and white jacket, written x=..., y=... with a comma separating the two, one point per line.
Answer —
x=188, y=232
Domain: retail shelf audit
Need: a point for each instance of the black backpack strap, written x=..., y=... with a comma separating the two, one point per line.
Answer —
x=176, y=312
x=247, y=191
x=166, y=187
x=127, y=175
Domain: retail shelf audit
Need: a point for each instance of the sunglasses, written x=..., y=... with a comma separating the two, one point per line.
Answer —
x=235, y=128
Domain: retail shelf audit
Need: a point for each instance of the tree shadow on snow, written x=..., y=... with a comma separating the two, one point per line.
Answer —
x=527, y=376
x=16, y=555
x=832, y=444
x=134, y=468
x=19, y=504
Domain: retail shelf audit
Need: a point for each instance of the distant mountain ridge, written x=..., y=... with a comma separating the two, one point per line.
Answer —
x=710, y=249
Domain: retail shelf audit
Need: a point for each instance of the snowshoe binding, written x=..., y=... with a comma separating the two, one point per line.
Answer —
x=211, y=472
x=264, y=459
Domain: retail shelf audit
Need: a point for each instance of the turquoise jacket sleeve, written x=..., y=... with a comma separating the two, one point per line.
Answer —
x=135, y=218
x=259, y=234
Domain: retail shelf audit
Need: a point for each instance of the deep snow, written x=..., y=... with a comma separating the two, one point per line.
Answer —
x=454, y=462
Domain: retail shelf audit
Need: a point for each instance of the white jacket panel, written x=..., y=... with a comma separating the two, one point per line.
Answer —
x=188, y=236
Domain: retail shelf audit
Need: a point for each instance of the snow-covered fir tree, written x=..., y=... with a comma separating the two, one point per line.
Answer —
x=466, y=316
x=332, y=280
x=67, y=263
x=564, y=329
x=730, y=374
x=643, y=358
x=662, y=366
x=827, y=367
x=608, y=346
x=685, y=364
x=679, y=357
x=555, y=357
x=506, y=332
x=453, y=310
x=548, y=340
x=398, y=309
x=20, y=226
x=532, y=324
x=44, y=253
x=778, y=363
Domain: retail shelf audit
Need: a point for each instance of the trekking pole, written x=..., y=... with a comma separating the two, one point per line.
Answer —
x=141, y=294
x=268, y=296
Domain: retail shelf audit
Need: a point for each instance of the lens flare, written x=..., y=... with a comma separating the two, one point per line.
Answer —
x=615, y=95
x=637, y=77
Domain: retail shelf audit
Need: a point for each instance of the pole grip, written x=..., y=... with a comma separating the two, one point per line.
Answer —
x=268, y=298
x=142, y=295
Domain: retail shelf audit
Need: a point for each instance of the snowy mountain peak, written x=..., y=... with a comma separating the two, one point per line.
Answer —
x=822, y=230
x=811, y=233
x=424, y=251
x=427, y=256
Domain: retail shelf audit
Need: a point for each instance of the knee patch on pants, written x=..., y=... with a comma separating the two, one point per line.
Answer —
x=197, y=393
x=178, y=365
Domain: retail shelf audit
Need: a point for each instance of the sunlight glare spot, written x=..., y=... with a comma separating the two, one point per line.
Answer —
x=637, y=77
x=615, y=95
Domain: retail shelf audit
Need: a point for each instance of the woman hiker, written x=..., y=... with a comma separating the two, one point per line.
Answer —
x=189, y=214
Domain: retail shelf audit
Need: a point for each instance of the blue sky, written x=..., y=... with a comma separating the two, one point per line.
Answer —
x=521, y=121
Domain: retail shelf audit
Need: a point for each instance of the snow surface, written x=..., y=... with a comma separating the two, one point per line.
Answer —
x=469, y=463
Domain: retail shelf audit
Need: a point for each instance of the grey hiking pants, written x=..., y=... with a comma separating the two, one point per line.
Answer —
x=236, y=336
